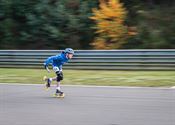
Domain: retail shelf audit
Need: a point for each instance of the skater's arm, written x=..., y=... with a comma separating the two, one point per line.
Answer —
x=60, y=67
x=48, y=61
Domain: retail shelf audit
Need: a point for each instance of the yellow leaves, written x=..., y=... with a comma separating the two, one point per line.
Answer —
x=111, y=9
x=110, y=26
x=99, y=43
x=103, y=25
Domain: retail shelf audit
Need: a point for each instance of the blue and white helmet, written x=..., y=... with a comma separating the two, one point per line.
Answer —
x=69, y=50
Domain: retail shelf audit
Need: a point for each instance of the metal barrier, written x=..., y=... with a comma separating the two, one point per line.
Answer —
x=94, y=59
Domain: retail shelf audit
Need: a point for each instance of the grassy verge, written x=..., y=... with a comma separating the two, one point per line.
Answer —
x=92, y=77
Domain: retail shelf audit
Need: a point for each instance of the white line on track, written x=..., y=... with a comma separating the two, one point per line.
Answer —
x=173, y=87
x=91, y=86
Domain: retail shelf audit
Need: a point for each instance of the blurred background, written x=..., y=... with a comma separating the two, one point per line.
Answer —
x=108, y=36
x=121, y=43
x=87, y=24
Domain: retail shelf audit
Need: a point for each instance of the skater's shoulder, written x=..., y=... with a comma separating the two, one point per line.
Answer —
x=61, y=56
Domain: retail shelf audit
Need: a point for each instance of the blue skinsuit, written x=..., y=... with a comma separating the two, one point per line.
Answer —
x=57, y=60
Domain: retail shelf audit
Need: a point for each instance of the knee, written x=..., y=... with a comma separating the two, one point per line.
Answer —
x=59, y=76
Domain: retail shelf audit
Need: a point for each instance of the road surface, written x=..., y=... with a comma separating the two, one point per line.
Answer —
x=31, y=105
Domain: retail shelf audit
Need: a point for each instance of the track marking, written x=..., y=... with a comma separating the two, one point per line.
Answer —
x=173, y=87
x=91, y=86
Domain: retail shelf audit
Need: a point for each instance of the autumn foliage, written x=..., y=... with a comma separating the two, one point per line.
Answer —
x=110, y=27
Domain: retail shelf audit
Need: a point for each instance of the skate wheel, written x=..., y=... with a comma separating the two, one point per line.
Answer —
x=58, y=96
x=46, y=89
x=54, y=95
x=62, y=96
x=44, y=78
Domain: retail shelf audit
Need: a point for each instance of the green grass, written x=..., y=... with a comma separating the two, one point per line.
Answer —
x=92, y=77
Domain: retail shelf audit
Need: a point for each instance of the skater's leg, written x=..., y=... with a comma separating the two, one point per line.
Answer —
x=58, y=85
x=58, y=88
x=49, y=81
x=54, y=79
x=59, y=78
x=58, y=92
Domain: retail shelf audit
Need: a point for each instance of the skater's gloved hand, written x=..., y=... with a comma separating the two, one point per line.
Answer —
x=47, y=69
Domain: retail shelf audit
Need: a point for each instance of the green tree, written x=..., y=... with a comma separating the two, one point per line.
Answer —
x=45, y=24
x=154, y=21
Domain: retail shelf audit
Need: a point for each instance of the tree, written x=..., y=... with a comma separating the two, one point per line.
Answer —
x=46, y=24
x=155, y=25
x=110, y=27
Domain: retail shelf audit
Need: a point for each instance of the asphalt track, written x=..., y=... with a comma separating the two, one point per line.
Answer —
x=31, y=105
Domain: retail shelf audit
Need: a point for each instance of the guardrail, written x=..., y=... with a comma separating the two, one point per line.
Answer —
x=94, y=59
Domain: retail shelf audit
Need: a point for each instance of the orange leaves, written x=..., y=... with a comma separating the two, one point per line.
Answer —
x=111, y=9
x=99, y=43
x=110, y=26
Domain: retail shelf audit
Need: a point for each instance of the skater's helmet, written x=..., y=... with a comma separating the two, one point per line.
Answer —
x=69, y=51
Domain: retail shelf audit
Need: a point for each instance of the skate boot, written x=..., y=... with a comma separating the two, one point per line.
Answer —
x=59, y=94
x=47, y=83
